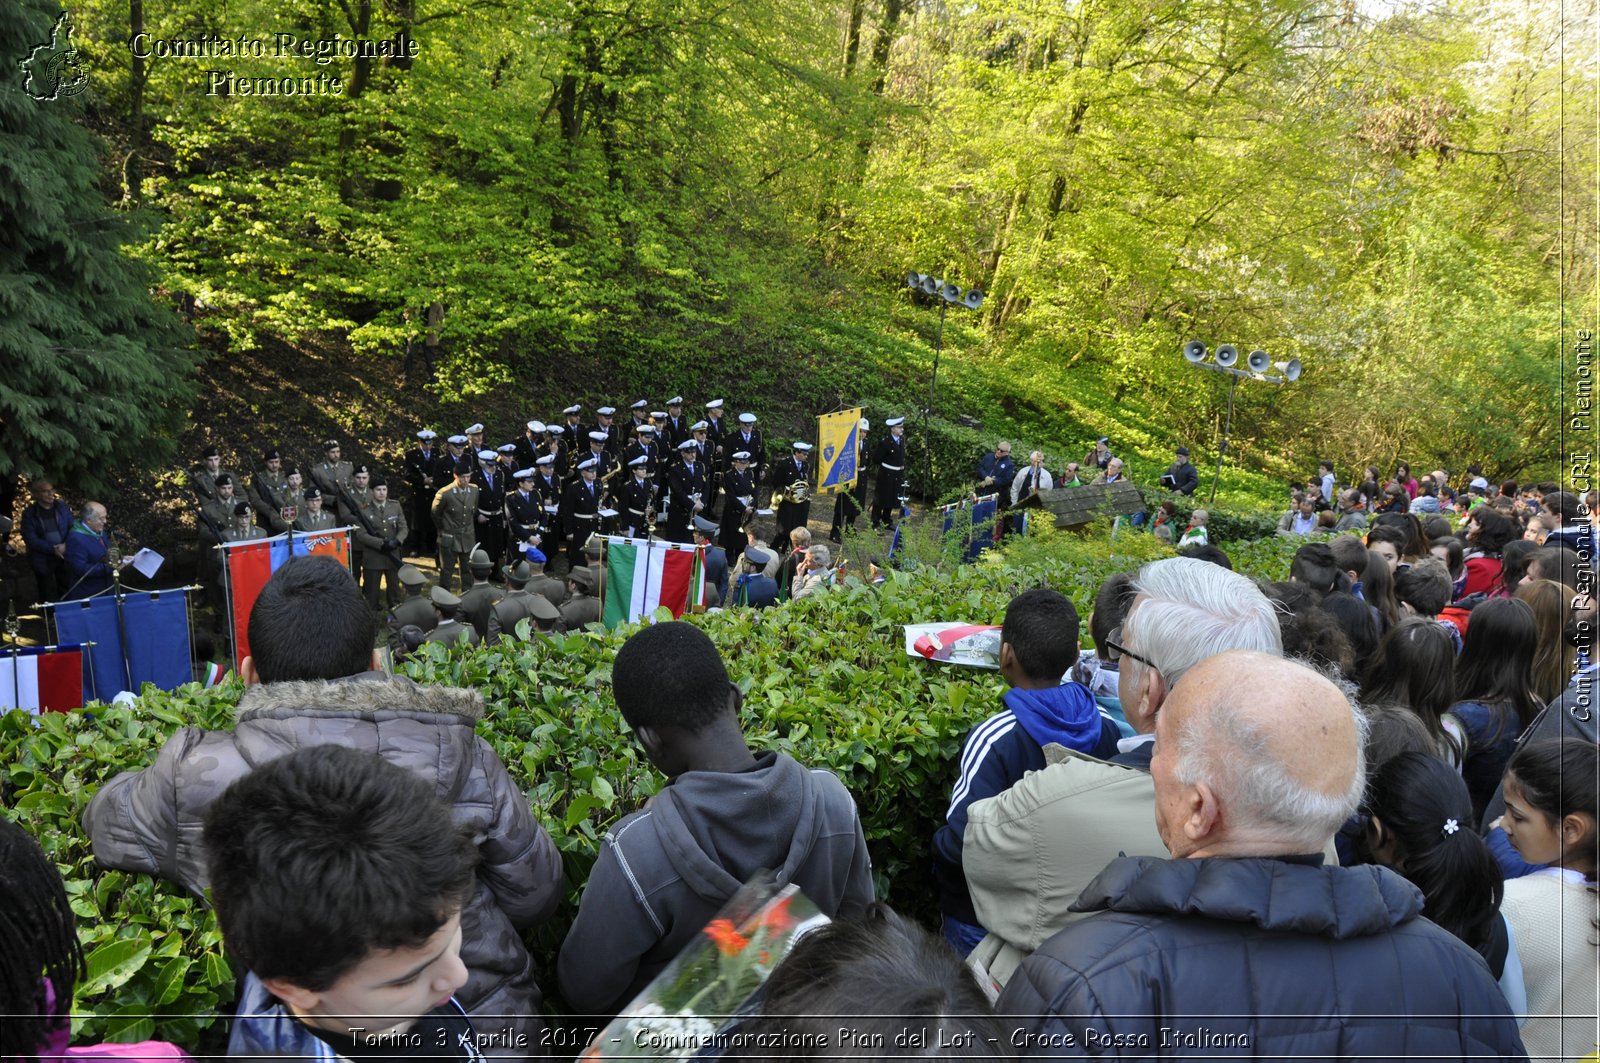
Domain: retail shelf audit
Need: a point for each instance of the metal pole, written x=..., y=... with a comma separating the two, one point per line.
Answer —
x=1222, y=448
x=933, y=387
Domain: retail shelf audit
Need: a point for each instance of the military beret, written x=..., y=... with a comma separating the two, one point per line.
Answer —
x=331, y=444
x=272, y=455
x=534, y=555
x=377, y=481
x=210, y=452
x=223, y=479
x=310, y=493
x=241, y=508
x=362, y=470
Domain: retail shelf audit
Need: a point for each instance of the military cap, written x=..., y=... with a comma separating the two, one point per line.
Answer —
x=507, y=448
x=311, y=492
x=480, y=558
x=463, y=467
x=641, y=404
x=457, y=441
x=606, y=411
x=583, y=576
x=411, y=576
x=714, y=404
x=747, y=418
x=658, y=413
x=525, y=474
x=599, y=437
x=362, y=470
x=534, y=555
x=801, y=445
x=1103, y=439
x=891, y=422
x=517, y=573
x=700, y=426
x=427, y=433
x=646, y=427
x=536, y=426
x=377, y=481
x=701, y=524
x=757, y=556
x=443, y=598
x=588, y=463
x=210, y=452
x=676, y=400
x=223, y=478
x=487, y=456
x=640, y=462
x=541, y=609
x=291, y=469
x=475, y=430
x=688, y=444
x=240, y=508
x=272, y=455
x=743, y=455
x=330, y=444
x=572, y=410
x=546, y=459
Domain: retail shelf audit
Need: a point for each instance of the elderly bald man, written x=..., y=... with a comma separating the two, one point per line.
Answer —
x=1244, y=942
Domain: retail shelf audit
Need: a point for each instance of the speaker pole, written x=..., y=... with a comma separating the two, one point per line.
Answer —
x=1227, y=426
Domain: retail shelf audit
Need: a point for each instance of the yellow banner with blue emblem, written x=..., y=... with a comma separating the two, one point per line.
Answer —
x=838, y=442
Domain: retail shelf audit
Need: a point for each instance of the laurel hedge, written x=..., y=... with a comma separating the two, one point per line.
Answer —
x=826, y=679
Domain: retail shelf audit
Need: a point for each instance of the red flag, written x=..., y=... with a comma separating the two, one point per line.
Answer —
x=61, y=680
x=334, y=544
x=249, y=567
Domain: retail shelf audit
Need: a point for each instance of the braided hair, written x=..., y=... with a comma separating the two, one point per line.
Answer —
x=38, y=944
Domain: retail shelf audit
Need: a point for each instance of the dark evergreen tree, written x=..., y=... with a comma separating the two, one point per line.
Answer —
x=93, y=372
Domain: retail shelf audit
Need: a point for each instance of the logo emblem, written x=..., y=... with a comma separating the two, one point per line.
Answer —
x=55, y=69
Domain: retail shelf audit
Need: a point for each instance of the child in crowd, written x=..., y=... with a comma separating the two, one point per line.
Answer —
x=1550, y=817
x=1038, y=644
x=1420, y=825
x=41, y=962
x=725, y=814
x=339, y=881
x=882, y=982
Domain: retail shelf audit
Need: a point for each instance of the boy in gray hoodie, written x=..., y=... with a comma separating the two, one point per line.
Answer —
x=725, y=814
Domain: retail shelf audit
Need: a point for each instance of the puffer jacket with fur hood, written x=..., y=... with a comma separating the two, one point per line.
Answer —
x=151, y=820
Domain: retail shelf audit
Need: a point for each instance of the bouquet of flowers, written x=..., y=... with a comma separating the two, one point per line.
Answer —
x=712, y=983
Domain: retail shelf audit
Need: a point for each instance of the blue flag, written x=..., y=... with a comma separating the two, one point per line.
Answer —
x=982, y=531
x=154, y=626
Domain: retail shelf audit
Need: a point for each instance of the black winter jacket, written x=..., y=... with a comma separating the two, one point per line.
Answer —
x=1271, y=958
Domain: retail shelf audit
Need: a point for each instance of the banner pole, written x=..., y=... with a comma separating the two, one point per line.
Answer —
x=605, y=545
x=227, y=603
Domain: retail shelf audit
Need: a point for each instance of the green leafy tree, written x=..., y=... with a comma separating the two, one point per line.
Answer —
x=95, y=371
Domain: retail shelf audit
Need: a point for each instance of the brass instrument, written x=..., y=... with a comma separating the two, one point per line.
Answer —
x=795, y=493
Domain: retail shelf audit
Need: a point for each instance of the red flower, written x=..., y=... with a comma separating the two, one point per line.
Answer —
x=777, y=918
x=728, y=940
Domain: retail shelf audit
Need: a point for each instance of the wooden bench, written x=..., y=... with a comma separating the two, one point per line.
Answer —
x=1073, y=507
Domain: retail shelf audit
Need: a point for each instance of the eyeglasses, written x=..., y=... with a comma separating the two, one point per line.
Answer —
x=1114, y=644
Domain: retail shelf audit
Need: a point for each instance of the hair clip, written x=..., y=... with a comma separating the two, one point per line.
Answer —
x=1451, y=826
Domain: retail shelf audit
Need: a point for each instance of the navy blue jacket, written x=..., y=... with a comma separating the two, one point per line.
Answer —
x=45, y=529
x=996, y=755
x=1268, y=958
x=88, y=572
x=717, y=572
x=756, y=590
x=1003, y=470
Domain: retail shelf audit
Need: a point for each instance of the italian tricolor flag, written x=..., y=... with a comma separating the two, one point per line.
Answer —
x=36, y=680
x=642, y=575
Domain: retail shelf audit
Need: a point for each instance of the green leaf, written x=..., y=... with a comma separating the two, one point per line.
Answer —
x=113, y=963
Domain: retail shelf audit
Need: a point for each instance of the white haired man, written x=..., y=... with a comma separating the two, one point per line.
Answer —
x=1030, y=850
x=1243, y=940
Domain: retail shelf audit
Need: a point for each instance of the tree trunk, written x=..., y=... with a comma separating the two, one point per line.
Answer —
x=360, y=20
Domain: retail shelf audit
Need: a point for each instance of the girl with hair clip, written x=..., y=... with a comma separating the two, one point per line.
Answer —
x=1419, y=825
x=41, y=962
x=1550, y=818
x=1494, y=691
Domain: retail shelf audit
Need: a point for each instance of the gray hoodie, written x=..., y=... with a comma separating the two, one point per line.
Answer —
x=664, y=871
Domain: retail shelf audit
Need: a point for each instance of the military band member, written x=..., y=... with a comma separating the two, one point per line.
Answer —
x=266, y=492
x=447, y=629
x=573, y=431
x=474, y=434
x=424, y=471
x=603, y=422
x=455, y=452
x=555, y=445
x=527, y=448
x=580, y=510
x=204, y=481
x=739, y=503
x=524, y=515
x=331, y=472
x=491, y=516
x=638, y=414
x=686, y=493
x=413, y=609
x=717, y=428
x=381, y=533
x=645, y=445
x=597, y=450
x=547, y=485
x=674, y=427
x=787, y=474
x=747, y=437
x=889, y=458
x=313, y=517
x=455, y=515
x=637, y=498
x=508, y=464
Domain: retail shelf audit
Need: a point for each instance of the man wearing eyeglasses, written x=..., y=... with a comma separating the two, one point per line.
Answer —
x=1029, y=851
